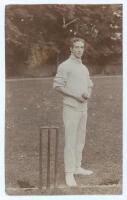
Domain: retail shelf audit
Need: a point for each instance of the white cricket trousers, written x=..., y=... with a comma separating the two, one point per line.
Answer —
x=75, y=132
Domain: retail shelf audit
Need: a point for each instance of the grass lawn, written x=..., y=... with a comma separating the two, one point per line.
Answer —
x=32, y=103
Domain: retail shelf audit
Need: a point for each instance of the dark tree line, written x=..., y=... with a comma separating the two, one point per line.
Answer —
x=37, y=37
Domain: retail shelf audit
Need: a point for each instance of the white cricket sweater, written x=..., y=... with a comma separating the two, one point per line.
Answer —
x=73, y=76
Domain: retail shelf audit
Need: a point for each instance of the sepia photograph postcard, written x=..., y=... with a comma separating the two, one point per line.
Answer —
x=63, y=111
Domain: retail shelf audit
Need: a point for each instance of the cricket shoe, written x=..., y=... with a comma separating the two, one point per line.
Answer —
x=70, y=180
x=82, y=171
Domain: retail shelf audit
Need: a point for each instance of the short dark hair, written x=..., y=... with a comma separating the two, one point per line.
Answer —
x=76, y=39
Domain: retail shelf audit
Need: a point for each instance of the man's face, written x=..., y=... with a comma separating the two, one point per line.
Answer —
x=77, y=49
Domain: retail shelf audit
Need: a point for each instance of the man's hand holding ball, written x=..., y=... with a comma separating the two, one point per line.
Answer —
x=85, y=96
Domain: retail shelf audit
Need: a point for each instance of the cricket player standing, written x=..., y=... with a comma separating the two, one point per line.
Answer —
x=73, y=81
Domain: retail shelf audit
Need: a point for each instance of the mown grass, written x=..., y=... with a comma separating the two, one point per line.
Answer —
x=33, y=103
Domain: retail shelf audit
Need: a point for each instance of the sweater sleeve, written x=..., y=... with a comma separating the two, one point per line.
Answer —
x=61, y=76
x=90, y=82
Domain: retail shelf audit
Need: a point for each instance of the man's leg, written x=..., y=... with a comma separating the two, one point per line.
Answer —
x=71, y=120
x=81, y=135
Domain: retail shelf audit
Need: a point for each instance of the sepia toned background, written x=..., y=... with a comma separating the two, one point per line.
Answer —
x=37, y=40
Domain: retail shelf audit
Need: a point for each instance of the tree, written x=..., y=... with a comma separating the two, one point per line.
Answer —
x=37, y=35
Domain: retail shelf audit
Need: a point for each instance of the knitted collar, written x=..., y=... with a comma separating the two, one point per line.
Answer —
x=75, y=59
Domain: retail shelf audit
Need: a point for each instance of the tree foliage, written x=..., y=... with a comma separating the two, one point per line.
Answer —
x=38, y=35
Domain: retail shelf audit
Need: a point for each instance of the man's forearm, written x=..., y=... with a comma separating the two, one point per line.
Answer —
x=64, y=91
